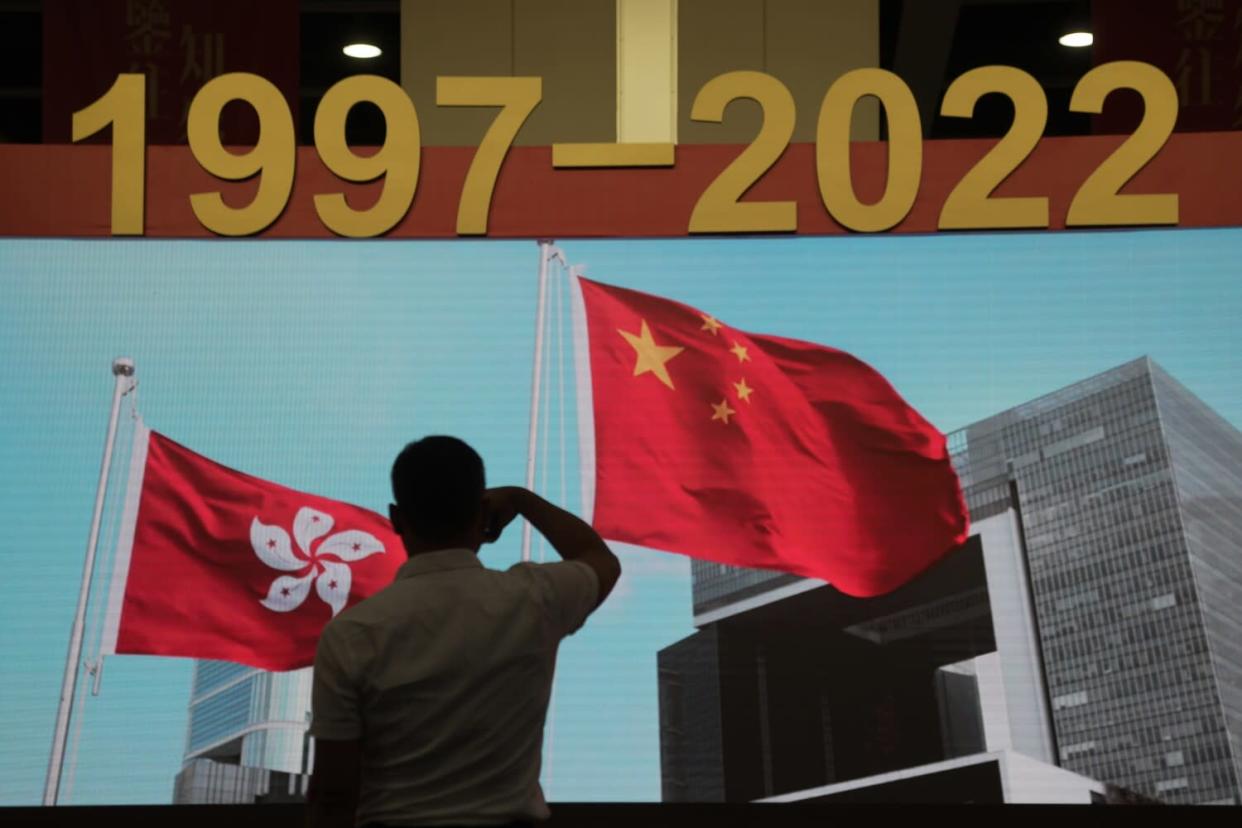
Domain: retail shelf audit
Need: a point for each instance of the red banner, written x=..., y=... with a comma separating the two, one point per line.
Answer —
x=56, y=190
x=1197, y=43
x=179, y=45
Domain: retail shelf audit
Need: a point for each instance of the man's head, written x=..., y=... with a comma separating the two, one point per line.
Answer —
x=438, y=485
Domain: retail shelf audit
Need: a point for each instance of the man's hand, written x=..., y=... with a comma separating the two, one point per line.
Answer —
x=571, y=537
x=500, y=507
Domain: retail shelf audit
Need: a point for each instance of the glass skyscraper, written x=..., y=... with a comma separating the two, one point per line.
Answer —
x=1128, y=491
x=245, y=724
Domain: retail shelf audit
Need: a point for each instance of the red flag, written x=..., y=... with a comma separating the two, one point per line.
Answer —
x=214, y=563
x=759, y=451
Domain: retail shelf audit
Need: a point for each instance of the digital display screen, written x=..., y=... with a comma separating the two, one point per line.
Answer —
x=311, y=363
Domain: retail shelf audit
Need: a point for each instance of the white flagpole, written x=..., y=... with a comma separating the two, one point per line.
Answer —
x=546, y=254
x=123, y=370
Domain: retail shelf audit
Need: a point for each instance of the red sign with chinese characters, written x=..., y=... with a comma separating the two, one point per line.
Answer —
x=1197, y=43
x=178, y=45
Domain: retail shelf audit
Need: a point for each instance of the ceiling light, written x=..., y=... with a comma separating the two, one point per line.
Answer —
x=367, y=50
x=1076, y=39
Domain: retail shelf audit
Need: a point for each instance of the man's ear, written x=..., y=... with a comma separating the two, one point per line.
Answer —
x=394, y=515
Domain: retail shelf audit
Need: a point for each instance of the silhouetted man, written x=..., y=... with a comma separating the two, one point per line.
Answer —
x=430, y=696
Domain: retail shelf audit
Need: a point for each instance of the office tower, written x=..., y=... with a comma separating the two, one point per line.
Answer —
x=1125, y=492
x=247, y=735
x=1131, y=496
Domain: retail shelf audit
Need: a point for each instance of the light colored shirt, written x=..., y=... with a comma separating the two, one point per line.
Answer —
x=444, y=676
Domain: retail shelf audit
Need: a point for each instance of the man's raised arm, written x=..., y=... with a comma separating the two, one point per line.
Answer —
x=571, y=537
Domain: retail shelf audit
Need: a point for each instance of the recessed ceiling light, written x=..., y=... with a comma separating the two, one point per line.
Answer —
x=362, y=50
x=1076, y=39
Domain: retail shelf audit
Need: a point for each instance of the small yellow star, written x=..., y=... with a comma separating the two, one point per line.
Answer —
x=710, y=324
x=739, y=351
x=743, y=390
x=651, y=357
x=722, y=411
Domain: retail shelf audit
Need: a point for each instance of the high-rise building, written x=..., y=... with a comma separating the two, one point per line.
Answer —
x=1124, y=497
x=1131, y=495
x=247, y=735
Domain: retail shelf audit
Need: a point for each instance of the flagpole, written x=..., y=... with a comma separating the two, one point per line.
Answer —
x=546, y=254
x=123, y=370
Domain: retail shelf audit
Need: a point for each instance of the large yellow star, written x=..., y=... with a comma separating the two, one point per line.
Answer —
x=722, y=411
x=739, y=351
x=710, y=324
x=743, y=390
x=651, y=357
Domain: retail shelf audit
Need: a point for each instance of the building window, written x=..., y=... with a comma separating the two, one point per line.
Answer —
x=1070, y=751
x=1165, y=601
x=1070, y=700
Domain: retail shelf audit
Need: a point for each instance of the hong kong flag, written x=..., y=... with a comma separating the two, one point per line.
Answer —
x=213, y=563
x=757, y=451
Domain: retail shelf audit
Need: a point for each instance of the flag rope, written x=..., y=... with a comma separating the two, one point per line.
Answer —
x=584, y=413
x=71, y=756
x=563, y=278
x=560, y=379
x=546, y=415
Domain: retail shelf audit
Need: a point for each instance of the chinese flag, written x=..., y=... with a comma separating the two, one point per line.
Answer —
x=759, y=451
x=214, y=563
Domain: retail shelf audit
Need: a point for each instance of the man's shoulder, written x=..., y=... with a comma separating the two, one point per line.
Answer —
x=566, y=590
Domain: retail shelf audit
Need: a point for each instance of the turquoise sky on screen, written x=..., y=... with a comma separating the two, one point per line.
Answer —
x=311, y=363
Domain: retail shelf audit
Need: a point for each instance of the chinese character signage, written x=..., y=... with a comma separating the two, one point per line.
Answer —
x=178, y=46
x=1197, y=43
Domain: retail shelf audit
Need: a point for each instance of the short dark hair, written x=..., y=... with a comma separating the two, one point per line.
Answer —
x=438, y=483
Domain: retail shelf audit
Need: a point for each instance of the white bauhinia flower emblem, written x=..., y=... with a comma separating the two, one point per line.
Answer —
x=325, y=565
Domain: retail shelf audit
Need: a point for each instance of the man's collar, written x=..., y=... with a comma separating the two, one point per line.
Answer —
x=441, y=560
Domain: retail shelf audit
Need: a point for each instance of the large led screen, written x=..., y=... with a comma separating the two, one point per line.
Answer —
x=1090, y=384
